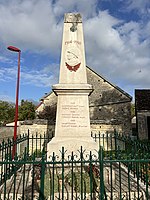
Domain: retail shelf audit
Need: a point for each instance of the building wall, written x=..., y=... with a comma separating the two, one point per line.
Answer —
x=110, y=107
x=48, y=100
x=115, y=116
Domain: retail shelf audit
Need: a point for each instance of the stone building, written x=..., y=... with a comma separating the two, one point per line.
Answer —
x=110, y=106
x=142, y=108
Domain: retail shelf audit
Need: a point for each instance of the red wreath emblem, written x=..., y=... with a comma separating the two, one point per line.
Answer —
x=73, y=68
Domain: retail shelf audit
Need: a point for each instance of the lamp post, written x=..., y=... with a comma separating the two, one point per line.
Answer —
x=15, y=49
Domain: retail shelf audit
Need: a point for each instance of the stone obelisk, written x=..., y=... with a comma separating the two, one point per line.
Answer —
x=72, y=128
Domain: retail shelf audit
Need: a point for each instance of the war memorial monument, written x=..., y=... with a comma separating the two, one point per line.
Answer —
x=72, y=129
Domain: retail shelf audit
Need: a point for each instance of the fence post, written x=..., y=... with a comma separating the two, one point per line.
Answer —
x=28, y=142
x=41, y=196
x=101, y=164
x=63, y=159
x=115, y=137
x=24, y=171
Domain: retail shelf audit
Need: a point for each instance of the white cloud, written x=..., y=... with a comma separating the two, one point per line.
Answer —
x=29, y=24
x=7, y=74
x=36, y=25
x=4, y=97
x=3, y=59
x=99, y=31
x=141, y=6
x=37, y=78
x=87, y=9
x=42, y=78
x=118, y=50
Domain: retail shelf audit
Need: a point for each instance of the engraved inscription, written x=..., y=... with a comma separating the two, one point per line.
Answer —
x=73, y=115
x=71, y=42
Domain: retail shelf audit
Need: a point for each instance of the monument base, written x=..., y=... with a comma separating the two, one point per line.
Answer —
x=72, y=145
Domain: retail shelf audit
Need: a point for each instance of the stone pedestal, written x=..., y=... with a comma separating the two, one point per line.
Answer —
x=72, y=120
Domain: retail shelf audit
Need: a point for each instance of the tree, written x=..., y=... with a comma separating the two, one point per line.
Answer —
x=26, y=110
x=7, y=112
x=49, y=113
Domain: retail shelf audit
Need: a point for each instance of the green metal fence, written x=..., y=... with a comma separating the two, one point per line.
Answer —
x=114, y=172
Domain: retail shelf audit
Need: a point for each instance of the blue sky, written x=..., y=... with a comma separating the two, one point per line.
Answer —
x=116, y=34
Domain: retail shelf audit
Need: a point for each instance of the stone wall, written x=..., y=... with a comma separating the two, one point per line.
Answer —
x=6, y=132
x=103, y=128
x=34, y=126
x=37, y=129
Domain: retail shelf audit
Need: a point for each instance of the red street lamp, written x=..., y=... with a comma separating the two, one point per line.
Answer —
x=11, y=48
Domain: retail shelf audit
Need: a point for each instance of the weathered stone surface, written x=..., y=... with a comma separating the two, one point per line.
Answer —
x=6, y=132
x=72, y=66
